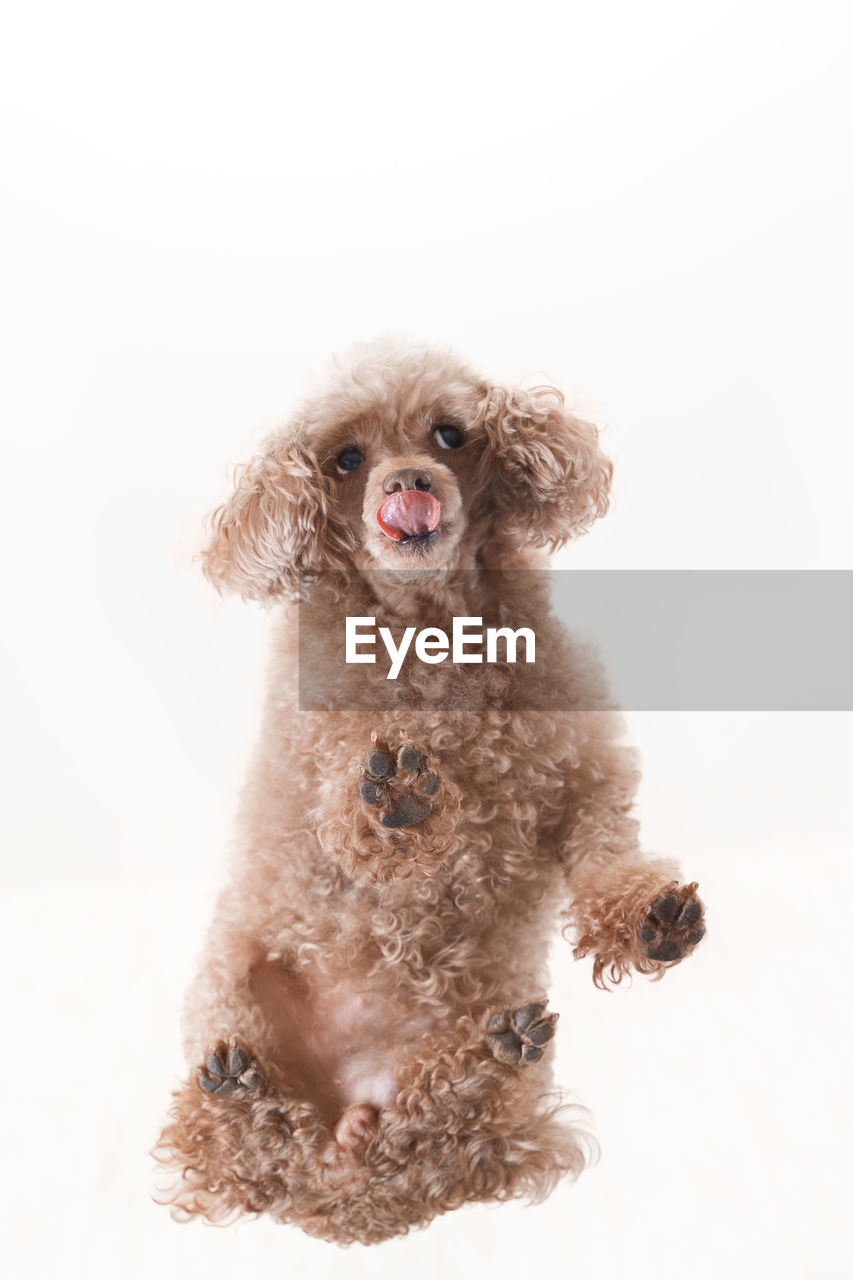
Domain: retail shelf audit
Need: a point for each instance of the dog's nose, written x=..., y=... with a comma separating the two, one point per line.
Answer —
x=408, y=478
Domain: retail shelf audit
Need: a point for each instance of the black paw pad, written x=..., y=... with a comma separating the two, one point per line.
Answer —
x=398, y=783
x=690, y=912
x=672, y=924
x=664, y=908
x=380, y=762
x=669, y=949
x=371, y=791
x=647, y=930
x=228, y=1069
x=520, y=1035
x=410, y=758
x=406, y=811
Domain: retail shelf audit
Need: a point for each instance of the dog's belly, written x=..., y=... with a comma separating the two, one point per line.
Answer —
x=339, y=1044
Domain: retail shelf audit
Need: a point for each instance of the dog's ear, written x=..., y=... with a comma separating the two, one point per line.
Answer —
x=542, y=466
x=280, y=525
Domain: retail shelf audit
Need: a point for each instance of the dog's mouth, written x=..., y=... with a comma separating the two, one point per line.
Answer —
x=410, y=517
x=417, y=539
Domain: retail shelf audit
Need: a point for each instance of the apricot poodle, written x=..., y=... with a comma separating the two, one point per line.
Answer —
x=369, y=1033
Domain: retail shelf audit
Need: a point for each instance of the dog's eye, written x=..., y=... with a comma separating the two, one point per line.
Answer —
x=349, y=460
x=447, y=437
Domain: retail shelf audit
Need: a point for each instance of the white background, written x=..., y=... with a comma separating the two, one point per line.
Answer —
x=649, y=204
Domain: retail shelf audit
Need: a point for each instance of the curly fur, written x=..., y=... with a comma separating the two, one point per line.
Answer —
x=358, y=965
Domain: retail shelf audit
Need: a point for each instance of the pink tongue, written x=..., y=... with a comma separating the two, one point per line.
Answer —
x=409, y=514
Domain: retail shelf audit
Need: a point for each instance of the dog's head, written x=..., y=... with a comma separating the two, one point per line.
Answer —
x=407, y=460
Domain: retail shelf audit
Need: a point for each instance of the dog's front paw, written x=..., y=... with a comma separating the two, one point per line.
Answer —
x=673, y=923
x=398, y=783
x=228, y=1069
x=520, y=1035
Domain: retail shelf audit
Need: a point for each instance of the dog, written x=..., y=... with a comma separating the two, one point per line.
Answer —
x=369, y=1037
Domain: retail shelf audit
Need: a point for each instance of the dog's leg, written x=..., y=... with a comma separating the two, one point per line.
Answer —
x=633, y=913
x=237, y=1137
x=627, y=911
x=398, y=784
x=472, y=1119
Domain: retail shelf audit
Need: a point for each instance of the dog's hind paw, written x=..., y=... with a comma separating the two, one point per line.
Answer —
x=521, y=1035
x=398, y=783
x=673, y=924
x=228, y=1069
